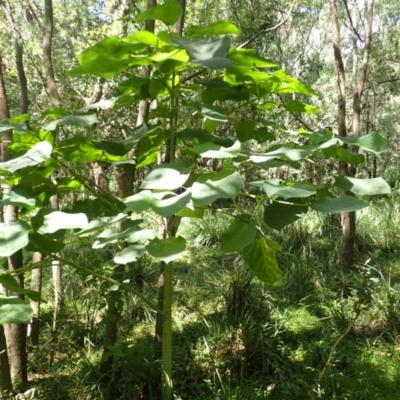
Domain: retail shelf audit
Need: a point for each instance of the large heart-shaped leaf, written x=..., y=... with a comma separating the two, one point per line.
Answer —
x=14, y=236
x=167, y=176
x=18, y=198
x=168, y=249
x=277, y=215
x=240, y=233
x=14, y=310
x=57, y=220
x=260, y=258
x=288, y=190
x=73, y=120
x=168, y=12
x=214, y=29
x=212, y=150
x=207, y=53
x=363, y=186
x=298, y=106
x=339, y=204
x=130, y=254
x=213, y=186
x=171, y=205
x=12, y=285
x=38, y=153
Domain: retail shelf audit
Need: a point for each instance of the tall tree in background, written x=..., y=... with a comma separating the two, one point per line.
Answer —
x=358, y=80
x=5, y=376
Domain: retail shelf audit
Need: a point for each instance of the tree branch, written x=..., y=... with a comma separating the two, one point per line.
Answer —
x=269, y=29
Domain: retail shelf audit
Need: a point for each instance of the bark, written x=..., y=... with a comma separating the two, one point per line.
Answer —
x=348, y=220
x=19, y=57
x=54, y=201
x=36, y=284
x=15, y=333
x=47, y=62
x=5, y=377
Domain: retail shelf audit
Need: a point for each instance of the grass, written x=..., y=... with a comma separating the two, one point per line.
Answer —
x=235, y=338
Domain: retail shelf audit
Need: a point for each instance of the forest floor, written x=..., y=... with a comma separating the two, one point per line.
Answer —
x=316, y=334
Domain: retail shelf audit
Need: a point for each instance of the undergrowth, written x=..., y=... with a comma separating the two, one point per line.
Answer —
x=235, y=338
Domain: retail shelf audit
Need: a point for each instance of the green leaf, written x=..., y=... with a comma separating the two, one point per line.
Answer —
x=23, y=142
x=207, y=53
x=14, y=236
x=277, y=215
x=14, y=310
x=145, y=37
x=363, y=186
x=248, y=57
x=109, y=236
x=44, y=244
x=168, y=12
x=56, y=220
x=212, y=150
x=38, y=153
x=214, y=29
x=142, y=235
x=171, y=205
x=73, y=120
x=139, y=202
x=241, y=232
x=130, y=254
x=213, y=186
x=199, y=135
x=339, y=153
x=293, y=153
x=373, y=142
x=139, y=133
x=210, y=125
x=168, y=249
x=298, y=106
x=18, y=198
x=6, y=125
x=191, y=211
x=167, y=176
x=288, y=190
x=260, y=258
x=81, y=148
x=339, y=204
x=245, y=130
x=12, y=285
x=215, y=113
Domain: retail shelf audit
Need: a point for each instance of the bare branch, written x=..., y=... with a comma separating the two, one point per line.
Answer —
x=346, y=6
x=269, y=29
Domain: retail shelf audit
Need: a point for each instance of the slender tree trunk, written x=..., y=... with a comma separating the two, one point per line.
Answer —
x=165, y=291
x=47, y=62
x=349, y=218
x=36, y=285
x=54, y=201
x=5, y=377
x=15, y=333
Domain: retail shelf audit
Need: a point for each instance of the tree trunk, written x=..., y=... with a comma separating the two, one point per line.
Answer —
x=5, y=377
x=47, y=62
x=349, y=218
x=36, y=285
x=15, y=333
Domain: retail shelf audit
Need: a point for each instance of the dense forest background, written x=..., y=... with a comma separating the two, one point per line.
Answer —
x=199, y=199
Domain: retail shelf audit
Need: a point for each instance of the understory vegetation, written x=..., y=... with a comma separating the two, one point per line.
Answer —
x=235, y=338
